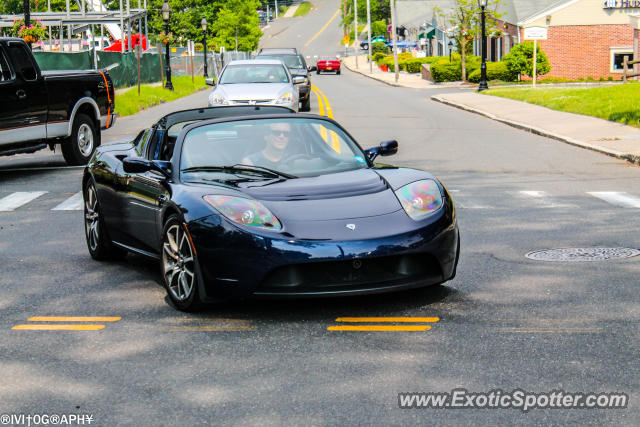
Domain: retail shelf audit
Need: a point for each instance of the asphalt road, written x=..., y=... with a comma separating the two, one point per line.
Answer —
x=506, y=322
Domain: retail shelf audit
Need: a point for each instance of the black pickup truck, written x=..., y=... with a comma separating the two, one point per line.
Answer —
x=46, y=108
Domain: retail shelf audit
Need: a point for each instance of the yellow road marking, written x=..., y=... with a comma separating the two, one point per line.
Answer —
x=33, y=327
x=323, y=28
x=335, y=141
x=207, y=328
x=72, y=319
x=387, y=319
x=380, y=328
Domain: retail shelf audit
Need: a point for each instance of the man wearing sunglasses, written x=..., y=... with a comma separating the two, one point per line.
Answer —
x=277, y=140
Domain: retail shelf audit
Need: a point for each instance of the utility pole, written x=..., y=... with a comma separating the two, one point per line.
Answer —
x=27, y=12
x=369, y=35
x=393, y=37
x=355, y=17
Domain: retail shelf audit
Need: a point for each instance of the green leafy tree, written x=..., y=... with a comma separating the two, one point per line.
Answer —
x=380, y=11
x=236, y=25
x=464, y=23
x=520, y=60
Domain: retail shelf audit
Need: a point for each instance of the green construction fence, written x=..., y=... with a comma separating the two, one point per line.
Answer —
x=123, y=67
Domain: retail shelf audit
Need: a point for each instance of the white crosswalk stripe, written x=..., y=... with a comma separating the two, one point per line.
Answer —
x=617, y=198
x=73, y=203
x=15, y=200
x=543, y=199
x=463, y=202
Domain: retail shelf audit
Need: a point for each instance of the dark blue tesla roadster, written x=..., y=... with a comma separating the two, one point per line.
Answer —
x=259, y=201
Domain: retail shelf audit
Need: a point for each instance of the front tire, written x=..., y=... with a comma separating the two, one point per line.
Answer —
x=98, y=242
x=179, y=266
x=306, y=104
x=78, y=149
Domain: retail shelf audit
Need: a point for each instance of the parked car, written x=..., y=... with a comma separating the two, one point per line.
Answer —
x=326, y=221
x=329, y=63
x=364, y=44
x=297, y=67
x=255, y=82
x=49, y=108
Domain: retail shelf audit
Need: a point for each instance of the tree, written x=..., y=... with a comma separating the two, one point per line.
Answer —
x=380, y=11
x=236, y=25
x=520, y=60
x=464, y=18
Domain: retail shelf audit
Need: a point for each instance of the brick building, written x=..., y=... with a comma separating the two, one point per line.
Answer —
x=586, y=38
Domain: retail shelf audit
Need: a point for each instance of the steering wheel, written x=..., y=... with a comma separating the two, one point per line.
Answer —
x=289, y=161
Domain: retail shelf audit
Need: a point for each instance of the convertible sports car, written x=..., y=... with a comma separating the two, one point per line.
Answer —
x=260, y=201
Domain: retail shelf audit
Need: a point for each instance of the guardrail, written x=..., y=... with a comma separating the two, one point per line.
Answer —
x=626, y=74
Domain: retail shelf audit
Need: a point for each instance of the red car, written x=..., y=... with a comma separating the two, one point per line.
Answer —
x=328, y=63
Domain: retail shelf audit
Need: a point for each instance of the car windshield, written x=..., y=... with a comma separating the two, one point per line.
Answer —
x=294, y=147
x=254, y=73
x=328, y=58
x=291, y=61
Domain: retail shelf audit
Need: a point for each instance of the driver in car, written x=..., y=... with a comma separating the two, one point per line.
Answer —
x=273, y=153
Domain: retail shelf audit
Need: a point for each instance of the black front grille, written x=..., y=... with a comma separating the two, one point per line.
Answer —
x=353, y=273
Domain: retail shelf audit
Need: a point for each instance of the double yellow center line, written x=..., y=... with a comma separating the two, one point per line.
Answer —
x=324, y=109
x=387, y=327
x=64, y=326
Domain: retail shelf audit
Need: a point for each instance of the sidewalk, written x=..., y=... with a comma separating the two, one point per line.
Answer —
x=603, y=136
x=412, y=80
x=596, y=134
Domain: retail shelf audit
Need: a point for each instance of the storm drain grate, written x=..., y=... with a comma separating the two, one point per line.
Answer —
x=582, y=254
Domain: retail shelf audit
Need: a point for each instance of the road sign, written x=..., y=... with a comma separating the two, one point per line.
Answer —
x=535, y=33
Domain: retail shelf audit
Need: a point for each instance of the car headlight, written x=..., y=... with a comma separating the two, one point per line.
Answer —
x=287, y=98
x=217, y=99
x=420, y=199
x=250, y=213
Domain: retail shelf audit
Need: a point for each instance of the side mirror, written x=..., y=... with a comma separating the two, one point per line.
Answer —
x=298, y=80
x=140, y=165
x=312, y=68
x=386, y=148
x=136, y=165
x=210, y=81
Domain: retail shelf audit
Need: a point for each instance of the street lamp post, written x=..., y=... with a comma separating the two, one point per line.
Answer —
x=450, y=44
x=483, y=67
x=166, y=13
x=204, y=42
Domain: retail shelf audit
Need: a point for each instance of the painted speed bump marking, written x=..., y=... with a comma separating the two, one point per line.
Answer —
x=384, y=328
x=57, y=327
x=388, y=319
x=380, y=328
x=65, y=326
x=73, y=319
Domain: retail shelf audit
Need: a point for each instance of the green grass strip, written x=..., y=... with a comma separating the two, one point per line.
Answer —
x=303, y=9
x=130, y=103
x=620, y=103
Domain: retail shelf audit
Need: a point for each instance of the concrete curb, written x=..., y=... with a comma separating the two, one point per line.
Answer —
x=393, y=84
x=542, y=132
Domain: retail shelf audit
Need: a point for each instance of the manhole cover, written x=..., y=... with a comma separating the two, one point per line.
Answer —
x=582, y=254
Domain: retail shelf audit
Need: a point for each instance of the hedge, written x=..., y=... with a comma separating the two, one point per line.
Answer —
x=495, y=71
x=446, y=72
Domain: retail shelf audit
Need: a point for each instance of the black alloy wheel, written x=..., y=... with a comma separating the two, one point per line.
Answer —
x=179, y=266
x=98, y=242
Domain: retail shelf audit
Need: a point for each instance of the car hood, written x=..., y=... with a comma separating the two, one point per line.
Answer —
x=253, y=91
x=354, y=194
